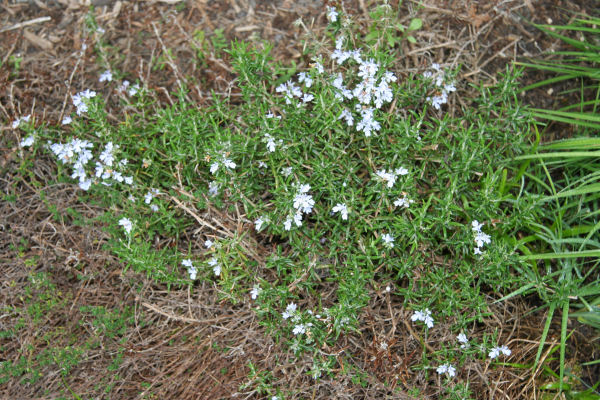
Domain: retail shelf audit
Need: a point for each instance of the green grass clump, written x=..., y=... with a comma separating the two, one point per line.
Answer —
x=562, y=176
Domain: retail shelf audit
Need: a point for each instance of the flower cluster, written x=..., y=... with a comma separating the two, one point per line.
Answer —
x=496, y=351
x=224, y=162
x=388, y=240
x=342, y=209
x=192, y=271
x=446, y=369
x=389, y=177
x=442, y=88
x=78, y=154
x=481, y=238
x=80, y=100
x=423, y=316
x=106, y=76
x=214, y=263
x=17, y=122
x=126, y=224
x=403, y=202
x=303, y=204
x=291, y=312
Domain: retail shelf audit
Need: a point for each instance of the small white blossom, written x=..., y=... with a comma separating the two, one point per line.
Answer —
x=255, y=292
x=28, y=141
x=154, y=207
x=423, y=316
x=342, y=209
x=299, y=329
x=304, y=77
x=259, y=222
x=17, y=122
x=67, y=120
x=132, y=91
x=446, y=369
x=213, y=188
x=462, y=339
x=106, y=76
x=403, y=202
x=286, y=171
x=126, y=224
x=208, y=243
x=496, y=351
x=216, y=266
x=290, y=310
x=190, y=267
x=388, y=240
x=347, y=115
x=332, y=14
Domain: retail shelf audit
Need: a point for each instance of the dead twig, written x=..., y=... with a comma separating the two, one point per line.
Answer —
x=25, y=23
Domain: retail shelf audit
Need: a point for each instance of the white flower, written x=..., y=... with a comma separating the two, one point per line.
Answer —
x=495, y=352
x=106, y=76
x=28, y=141
x=388, y=177
x=67, y=120
x=307, y=97
x=126, y=224
x=133, y=90
x=368, y=69
x=17, y=122
x=423, y=316
x=446, y=369
x=299, y=329
x=319, y=67
x=85, y=184
x=79, y=100
x=347, y=115
x=304, y=202
x=216, y=266
x=259, y=222
x=462, y=339
x=287, y=224
x=403, y=202
x=388, y=240
x=208, y=243
x=190, y=267
x=481, y=239
x=290, y=310
x=228, y=163
x=213, y=188
x=476, y=226
x=332, y=14
x=367, y=124
x=304, y=77
x=342, y=209
x=124, y=86
x=270, y=143
x=154, y=207
x=150, y=195
x=286, y=171
x=298, y=219
x=255, y=292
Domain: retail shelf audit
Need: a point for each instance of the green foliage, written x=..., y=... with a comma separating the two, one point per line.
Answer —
x=562, y=251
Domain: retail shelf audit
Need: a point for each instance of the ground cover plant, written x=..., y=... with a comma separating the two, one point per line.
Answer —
x=351, y=182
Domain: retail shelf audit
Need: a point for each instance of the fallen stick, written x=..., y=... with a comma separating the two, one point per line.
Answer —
x=25, y=23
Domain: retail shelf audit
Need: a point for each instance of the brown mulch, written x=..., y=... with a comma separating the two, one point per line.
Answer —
x=186, y=343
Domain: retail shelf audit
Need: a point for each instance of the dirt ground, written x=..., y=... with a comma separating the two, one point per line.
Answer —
x=181, y=345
